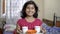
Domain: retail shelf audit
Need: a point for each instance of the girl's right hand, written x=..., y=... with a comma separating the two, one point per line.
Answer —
x=18, y=29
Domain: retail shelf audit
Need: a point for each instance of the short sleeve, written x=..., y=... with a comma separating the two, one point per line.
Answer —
x=19, y=22
x=40, y=22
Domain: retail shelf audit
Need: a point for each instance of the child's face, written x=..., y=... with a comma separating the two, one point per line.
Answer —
x=30, y=10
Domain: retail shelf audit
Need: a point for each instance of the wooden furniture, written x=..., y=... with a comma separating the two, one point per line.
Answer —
x=48, y=22
x=1, y=31
x=56, y=21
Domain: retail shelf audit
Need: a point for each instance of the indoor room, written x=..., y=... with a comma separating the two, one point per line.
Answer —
x=45, y=14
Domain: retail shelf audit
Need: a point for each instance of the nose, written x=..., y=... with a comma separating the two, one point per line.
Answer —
x=30, y=9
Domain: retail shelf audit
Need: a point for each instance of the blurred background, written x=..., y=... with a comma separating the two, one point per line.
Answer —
x=49, y=13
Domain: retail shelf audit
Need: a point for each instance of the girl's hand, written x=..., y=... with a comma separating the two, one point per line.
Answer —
x=44, y=30
x=18, y=29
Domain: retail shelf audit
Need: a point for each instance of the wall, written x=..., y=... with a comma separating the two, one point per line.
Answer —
x=51, y=7
x=40, y=6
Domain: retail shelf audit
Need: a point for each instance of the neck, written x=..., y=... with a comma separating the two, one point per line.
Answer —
x=29, y=17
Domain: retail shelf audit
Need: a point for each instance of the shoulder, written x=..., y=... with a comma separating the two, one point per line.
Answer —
x=38, y=22
x=38, y=19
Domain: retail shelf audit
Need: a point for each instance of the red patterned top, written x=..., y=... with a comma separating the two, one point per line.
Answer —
x=23, y=22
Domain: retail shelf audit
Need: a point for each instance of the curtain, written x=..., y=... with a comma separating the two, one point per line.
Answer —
x=13, y=9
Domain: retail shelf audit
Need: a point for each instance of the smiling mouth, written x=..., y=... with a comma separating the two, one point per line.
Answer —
x=30, y=12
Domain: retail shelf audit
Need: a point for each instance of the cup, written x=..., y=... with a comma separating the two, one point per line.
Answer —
x=24, y=29
x=37, y=28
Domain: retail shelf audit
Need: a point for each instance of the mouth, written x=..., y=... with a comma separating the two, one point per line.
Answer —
x=30, y=12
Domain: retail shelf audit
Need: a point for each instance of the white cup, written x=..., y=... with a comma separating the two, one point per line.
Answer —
x=24, y=29
x=37, y=28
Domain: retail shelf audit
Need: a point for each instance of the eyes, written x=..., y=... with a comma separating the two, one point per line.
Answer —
x=30, y=7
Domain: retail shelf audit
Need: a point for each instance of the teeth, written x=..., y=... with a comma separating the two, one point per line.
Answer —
x=30, y=12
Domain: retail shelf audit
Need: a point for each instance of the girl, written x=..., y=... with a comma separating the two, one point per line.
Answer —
x=29, y=16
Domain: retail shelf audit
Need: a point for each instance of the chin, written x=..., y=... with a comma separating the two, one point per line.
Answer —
x=30, y=15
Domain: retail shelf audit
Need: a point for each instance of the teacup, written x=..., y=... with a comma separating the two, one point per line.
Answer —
x=24, y=29
x=37, y=28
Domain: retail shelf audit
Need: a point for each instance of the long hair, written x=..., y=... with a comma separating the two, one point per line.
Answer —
x=23, y=12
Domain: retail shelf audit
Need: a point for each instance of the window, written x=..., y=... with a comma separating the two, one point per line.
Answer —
x=13, y=8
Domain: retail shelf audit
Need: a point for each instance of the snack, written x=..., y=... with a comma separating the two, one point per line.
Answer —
x=31, y=32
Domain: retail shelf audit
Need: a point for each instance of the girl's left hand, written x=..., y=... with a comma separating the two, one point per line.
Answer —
x=44, y=30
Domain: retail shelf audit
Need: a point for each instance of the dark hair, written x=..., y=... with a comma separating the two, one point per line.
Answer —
x=23, y=13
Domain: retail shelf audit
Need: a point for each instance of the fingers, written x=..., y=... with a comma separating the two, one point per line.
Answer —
x=44, y=30
x=18, y=27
